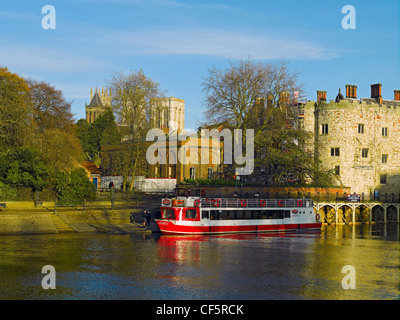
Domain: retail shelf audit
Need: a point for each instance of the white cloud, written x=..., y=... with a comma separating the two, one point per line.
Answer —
x=225, y=44
x=33, y=58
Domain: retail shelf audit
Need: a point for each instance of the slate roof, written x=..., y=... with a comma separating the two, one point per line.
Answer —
x=96, y=101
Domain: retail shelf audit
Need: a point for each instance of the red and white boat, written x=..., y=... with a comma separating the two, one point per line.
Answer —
x=199, y=215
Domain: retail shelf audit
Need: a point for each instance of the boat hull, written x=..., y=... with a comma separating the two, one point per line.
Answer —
x=176, y=228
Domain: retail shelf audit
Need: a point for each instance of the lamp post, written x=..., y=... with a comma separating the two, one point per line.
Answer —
x=236, y=182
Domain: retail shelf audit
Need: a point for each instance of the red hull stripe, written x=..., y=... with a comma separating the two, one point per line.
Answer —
x=171, y=228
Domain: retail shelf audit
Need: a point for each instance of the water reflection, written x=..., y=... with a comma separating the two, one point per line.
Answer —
x=257, y=266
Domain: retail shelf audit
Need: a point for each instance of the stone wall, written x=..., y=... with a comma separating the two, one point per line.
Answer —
x=98, y=216
x=363, y=173
x=23, y=223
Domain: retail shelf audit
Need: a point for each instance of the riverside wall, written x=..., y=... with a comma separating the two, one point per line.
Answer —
x=24, y=218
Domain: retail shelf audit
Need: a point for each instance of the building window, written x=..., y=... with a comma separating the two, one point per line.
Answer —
x=360, y=128
x=384, y=158
x=210, y=173
x=364, y=152
x=383, y=178
x=324, y=129
x=335, y=152
x=193, y=173
x=337, y=170
x=384, y=132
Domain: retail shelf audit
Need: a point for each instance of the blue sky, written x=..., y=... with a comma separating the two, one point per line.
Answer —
x=176, y=41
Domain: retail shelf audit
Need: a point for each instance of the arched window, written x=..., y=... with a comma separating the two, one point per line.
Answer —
x=210, y=173
x=193, y=173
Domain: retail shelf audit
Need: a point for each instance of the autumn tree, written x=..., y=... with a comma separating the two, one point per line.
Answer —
x=16, y=113
x=54, y=126
x=50, y=108
x=135, y=96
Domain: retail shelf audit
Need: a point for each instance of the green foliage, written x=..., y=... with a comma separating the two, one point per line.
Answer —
x=7, y=193
x=24, y=167
x=15, y=111
x=72, y=187
x=93, y=135
x=284, y=155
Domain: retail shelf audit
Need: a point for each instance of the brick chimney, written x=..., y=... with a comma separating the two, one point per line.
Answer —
x=376, y=92
x=397, y=95
x=351, y=91
x=321, y=96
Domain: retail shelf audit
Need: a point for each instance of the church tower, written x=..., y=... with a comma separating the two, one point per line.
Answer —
x=98, y=104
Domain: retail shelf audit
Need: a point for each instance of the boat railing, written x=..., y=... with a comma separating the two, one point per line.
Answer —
x=255, y=203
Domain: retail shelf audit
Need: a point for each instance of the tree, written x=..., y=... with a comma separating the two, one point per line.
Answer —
x=135, y=97
x=24, y=167
x=50, y=109
x=73, y=186
x=54, y=126
x=283, y=156
x=260, y=96
x=93, y=135
x=60, y=150
x=16, y=114
x=231, y=94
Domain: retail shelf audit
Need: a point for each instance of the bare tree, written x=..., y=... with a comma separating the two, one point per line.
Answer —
x=134, y=97
x=232, y=93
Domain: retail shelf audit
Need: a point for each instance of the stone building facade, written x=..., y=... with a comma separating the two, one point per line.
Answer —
x=357, y=138
x=170, y=117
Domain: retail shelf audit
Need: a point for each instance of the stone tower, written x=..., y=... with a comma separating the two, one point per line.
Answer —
x=98, y=104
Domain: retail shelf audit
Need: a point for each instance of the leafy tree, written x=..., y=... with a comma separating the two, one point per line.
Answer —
x=24, y=167
x=102, y=131
x=16, y=114
x=283, y=156
x=60, y=150
x=50, y=109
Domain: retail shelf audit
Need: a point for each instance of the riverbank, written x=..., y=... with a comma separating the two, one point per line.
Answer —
x=25, y=218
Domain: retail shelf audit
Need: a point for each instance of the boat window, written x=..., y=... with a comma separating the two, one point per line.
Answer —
x=275, y=214
x=287, y=213
x=247, y=214
x=168, y=214
x=191, y=214
x=214, y=215
x=260, y=214
x=223, y=215
x=205, y=214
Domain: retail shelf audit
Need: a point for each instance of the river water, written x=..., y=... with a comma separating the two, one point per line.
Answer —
x=292, y=266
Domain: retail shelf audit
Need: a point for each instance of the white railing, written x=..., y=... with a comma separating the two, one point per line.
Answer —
x=255, y=203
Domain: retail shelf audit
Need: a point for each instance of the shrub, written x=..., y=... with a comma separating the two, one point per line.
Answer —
x=73, y=186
